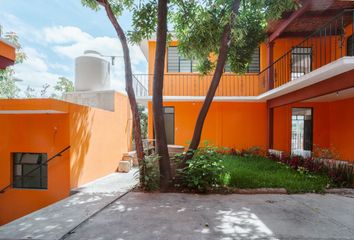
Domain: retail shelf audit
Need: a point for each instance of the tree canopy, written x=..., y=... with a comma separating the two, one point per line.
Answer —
x=198, y=26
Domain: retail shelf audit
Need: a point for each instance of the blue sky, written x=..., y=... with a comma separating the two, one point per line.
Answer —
x=54, y=32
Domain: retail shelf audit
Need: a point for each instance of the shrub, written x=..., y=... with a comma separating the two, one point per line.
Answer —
x=150, y=180
x=204, y=171
x=341, y=173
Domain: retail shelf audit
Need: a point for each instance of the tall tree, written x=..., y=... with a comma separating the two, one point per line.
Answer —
x=225, y=29
x=157, y=98
x=63, y=85
x=114, y=8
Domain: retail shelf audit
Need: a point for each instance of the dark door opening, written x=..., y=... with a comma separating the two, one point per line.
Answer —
x=302, y=131
x=169, y=117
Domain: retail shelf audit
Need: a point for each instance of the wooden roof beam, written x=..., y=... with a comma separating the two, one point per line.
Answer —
x=288, y=21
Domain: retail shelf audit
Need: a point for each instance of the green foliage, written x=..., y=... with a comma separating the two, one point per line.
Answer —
x=150, y=180
x=117, y=6
x=8, y=87
x=204, y=171
x=30, y=92
x=199, y=27
x=44, y=90
x=144, y=21
x=260, y=172
x=143, y=121
x=62, y=86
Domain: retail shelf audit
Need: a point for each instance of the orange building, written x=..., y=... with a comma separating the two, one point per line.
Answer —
x=33, y=131
x=7, y=54
x=297, y=95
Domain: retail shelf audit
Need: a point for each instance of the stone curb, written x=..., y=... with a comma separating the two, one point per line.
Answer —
x=261, y=191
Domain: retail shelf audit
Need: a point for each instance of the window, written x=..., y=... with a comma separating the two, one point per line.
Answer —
x=301, y=62
x=177, y=63
x=30, y=170
x=301, y=133
x=254, y=65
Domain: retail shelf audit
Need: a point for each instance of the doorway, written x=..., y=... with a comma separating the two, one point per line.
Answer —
x=302, y=131
x=169, y=117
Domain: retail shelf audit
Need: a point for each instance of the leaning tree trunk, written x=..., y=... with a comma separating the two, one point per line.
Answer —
x=157, y=99
x=222, y=57
x=128, y=82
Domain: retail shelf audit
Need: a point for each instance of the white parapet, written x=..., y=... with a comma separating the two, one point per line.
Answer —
x=97, y=99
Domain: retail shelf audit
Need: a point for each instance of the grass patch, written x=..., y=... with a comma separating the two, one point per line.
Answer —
x=259, y=172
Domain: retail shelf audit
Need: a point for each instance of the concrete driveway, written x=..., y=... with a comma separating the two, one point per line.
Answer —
x=188, y=216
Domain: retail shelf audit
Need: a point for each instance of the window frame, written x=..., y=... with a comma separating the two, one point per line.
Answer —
x=41, y=166
x=191, y=62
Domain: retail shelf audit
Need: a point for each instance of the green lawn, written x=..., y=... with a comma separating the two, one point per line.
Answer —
x=259, y=172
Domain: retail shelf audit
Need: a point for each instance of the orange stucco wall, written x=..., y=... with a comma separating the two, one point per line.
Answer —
x=282, y=125
x=46, y=133
x=237, y=125
x=7, y=51
x=333, y=126
x=98, y=139
x=342, y=128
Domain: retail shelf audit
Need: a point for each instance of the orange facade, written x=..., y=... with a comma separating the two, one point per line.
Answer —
x=7, y=54
x=236, y=125
x=332, y=126
x=98, y=139
x=244, y=124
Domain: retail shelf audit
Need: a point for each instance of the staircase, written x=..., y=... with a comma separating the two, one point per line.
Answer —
x=128, y=161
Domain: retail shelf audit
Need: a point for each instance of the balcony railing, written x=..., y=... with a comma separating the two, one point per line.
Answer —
x=330, y=42
x=327, y=44
x=139, y=87
x=197, y=85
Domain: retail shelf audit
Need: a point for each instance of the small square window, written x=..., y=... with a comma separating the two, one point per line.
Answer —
x=30, y=170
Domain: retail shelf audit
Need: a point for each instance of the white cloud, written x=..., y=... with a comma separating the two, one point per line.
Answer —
x=34, y=71
x=65, y=34
x=106, y=46
x=56, y=49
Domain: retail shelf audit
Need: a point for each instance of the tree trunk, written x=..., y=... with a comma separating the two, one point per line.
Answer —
x=157, y=99
x=222, y=57
x=128, y=82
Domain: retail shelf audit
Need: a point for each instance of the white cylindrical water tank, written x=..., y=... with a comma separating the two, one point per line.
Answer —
x=92, y=73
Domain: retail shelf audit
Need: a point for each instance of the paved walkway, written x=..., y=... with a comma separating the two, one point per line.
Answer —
x=186, y=216
x=56, y=220
x=102, y=211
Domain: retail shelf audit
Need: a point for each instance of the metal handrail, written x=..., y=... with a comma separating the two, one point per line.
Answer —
x=139, y=88
x=321, y=47
x=314, y=34
x=59, y=154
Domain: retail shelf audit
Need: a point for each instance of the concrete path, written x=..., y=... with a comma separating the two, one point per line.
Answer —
x=56, y=220
x=187, y=216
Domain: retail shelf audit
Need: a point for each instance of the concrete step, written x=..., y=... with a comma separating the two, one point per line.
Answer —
x=124, y=166
x=131, y=155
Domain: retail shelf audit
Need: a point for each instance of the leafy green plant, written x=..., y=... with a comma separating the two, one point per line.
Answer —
x=150, y=180
x=204, y=171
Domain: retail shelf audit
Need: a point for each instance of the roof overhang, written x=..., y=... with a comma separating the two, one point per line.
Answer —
x=7, y=53
x=44, y=111
x=33, y=106
x=325, y=72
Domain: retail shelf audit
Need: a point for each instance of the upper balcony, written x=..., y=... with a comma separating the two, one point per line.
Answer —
x=7, y=53
x=296, y=57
